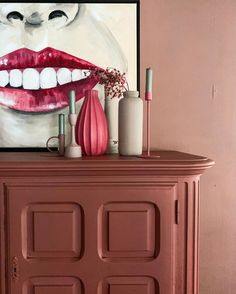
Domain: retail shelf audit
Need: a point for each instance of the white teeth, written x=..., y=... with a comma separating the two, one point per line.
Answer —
x=63, y=76
x=4, y=78
x=85, y=73
x=77, y=75
x=31, y=79
x=15, y=78
x=48, y=78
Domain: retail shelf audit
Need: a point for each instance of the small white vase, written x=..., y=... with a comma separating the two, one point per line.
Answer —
x=130, y=130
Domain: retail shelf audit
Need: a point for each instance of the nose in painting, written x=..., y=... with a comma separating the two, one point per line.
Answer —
x=36, y=23
x=38, y=16
x=34, y=19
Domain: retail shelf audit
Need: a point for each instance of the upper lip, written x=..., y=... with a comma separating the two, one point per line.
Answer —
x=48, y=57
x=47, y=99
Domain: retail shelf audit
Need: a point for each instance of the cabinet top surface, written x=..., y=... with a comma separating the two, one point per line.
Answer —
x=167, y=160
x=156, y=157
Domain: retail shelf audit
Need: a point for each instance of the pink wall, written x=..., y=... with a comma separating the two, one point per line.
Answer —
x=191, y=45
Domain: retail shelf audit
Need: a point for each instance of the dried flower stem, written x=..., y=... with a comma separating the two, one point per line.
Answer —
x=114, y=81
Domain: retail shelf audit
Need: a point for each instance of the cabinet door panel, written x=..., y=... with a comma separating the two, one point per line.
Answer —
x=91, y=240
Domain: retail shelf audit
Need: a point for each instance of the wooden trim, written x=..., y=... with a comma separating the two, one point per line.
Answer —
x=37, y=164
x=2, y=240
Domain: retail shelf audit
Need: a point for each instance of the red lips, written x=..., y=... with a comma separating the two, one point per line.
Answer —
x=43, y=100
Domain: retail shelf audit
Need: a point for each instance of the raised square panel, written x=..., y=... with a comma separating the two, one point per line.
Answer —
x=52, y=231
x=128, y=285
x=53, y=285
x=129, y=231
x=48, y=227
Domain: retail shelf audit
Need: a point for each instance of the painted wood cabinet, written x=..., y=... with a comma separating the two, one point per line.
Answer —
x=103, y=225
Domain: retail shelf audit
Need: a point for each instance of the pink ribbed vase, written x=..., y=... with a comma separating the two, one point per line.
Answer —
x=91, y=130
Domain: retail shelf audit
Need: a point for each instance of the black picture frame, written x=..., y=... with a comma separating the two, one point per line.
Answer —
x=135, y=2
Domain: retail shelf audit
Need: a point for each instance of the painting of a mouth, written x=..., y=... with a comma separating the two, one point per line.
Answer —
x=40, y=81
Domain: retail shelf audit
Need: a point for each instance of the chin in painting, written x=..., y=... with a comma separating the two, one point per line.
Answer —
x=46, y=50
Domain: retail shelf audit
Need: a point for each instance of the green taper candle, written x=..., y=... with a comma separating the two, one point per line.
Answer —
x=61, y=124
x=148, y=80
x=72, y=102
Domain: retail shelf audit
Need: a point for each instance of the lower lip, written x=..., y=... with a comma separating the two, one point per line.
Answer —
x=46, y=100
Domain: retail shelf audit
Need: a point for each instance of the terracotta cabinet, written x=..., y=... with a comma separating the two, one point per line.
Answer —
x=100, y=225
